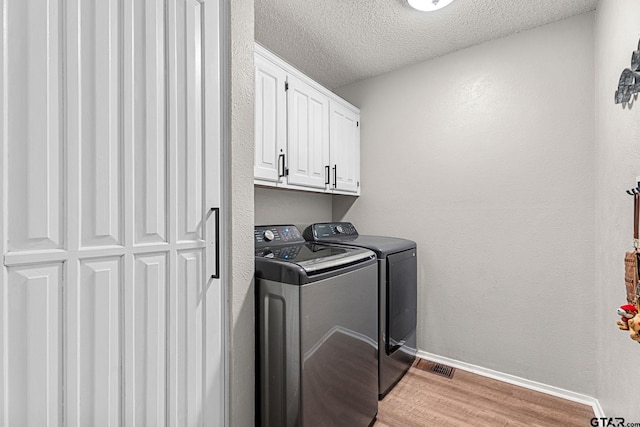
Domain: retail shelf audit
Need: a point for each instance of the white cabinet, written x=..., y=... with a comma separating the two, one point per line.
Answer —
x=270, y=121
x=345, y=148
x=308, y=124
x=306, y=137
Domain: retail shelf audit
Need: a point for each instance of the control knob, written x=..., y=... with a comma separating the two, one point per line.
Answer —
x=268, y=235
x=339, y=229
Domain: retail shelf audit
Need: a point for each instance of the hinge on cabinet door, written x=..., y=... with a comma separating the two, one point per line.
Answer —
x=358, y=183
x=286, y=172
x=286, y=86
x=357, y=124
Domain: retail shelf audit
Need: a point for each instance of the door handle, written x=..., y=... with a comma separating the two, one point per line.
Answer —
x=281, y=158
x=216, y=211
x=327, y=179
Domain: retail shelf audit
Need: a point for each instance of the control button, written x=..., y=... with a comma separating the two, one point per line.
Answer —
x=268, y=235
x=339, y=229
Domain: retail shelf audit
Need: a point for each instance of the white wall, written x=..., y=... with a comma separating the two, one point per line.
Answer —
x=485, y=157
x=275, y=206
x=240, y=292
x=617, y=163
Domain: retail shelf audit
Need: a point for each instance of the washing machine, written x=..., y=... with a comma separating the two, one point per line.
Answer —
x=316, y=321
x=397, y=295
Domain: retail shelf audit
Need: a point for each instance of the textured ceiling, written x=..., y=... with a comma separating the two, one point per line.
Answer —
x=338, y=42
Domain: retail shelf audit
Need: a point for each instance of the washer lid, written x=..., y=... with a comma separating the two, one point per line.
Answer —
x=328, y=258
x=312, y=256
x=381, y=245
x=302, y=262
x=344, y=233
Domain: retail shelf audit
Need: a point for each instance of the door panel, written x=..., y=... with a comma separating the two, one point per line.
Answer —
x=106, y=288
x=33, y=123
x=345, y=148
x=148, y=103
x=188, y=119
x=33, y=352
x=270, y=120
x=308, y=114
x=146, y=331
x=93, y=343
x=186, y=362
x=99, y=123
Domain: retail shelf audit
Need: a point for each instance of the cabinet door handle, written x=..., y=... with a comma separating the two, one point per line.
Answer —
x=335, y=176
x=327, y=179
x=281, y=162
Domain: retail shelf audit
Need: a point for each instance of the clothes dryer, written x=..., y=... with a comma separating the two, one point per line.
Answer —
x=397, y=295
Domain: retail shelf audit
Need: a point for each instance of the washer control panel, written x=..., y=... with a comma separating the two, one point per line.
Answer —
x=272, y=235
x=330, y=230
x=284, y=252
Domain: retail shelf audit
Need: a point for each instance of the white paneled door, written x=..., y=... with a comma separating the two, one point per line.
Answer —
x=308, y=129
x=345, y=147
x=270, y=121
x=110, y=297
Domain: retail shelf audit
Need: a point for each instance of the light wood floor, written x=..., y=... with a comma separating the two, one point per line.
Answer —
x=425, y=399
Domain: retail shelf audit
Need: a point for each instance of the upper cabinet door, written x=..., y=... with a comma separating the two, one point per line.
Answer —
x=270, y=121
x=345, y=148
x=308, y=114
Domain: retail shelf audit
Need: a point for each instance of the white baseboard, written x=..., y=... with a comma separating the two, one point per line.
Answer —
x=597, y=409
x=521, y=382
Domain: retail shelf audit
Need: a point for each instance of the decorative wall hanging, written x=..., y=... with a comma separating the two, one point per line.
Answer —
x=629, y=312
x=629, y=83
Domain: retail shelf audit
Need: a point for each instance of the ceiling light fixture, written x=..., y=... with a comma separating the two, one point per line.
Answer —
x=428, y=5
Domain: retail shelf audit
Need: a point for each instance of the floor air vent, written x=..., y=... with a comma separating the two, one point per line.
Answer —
x=443, y=370
x=435, y=368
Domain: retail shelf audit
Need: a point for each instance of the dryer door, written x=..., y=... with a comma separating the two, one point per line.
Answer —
x=401, y=293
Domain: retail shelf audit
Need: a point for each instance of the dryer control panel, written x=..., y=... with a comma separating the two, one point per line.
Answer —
x=329, y=230
x=273, y=235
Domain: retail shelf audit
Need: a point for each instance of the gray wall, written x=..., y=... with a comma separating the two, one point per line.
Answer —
x=275, y=206
x=239, y=187
x=485, y=157
x=617, y=164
